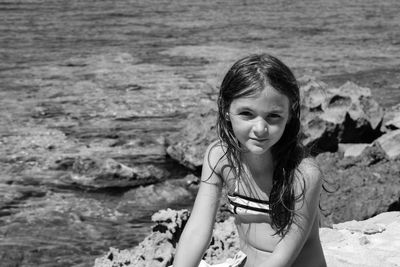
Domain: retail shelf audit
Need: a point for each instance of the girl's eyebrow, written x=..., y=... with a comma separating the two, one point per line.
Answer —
x=279, y=110
x=275, y=110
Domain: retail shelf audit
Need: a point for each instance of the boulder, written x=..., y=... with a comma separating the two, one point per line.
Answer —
x=346, y=114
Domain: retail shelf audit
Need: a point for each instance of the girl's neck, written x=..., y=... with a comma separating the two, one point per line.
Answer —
x=258, y=174
x=258, y=162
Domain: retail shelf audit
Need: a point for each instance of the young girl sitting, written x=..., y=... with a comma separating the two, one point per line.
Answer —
x=273, y=188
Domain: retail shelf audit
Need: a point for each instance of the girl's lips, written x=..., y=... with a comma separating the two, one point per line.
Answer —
x=259, y=139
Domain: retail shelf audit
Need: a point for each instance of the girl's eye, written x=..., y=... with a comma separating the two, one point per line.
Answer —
x=274, y=116
x=246, y=114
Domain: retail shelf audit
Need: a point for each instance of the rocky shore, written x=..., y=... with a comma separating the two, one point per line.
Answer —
x=83, y=162
x=97, y=98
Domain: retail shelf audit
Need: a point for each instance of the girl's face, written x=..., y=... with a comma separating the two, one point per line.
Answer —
x=259, y=121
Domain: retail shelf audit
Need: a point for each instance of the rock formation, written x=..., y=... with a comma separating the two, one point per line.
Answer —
x=370, y=243
x=330, y=116
x=158, y=249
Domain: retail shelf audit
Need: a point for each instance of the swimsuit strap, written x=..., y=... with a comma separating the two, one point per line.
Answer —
x=239, y=204
x=255, y=200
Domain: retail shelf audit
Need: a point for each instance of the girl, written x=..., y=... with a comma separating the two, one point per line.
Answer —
x=273, y=189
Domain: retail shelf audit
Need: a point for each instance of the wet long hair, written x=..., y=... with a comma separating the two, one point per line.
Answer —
x=249, y=76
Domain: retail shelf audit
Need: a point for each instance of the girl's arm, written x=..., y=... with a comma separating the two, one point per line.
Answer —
x=197, y=233
x=290, y=246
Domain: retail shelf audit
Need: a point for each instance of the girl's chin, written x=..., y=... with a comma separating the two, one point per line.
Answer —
x=258, y=150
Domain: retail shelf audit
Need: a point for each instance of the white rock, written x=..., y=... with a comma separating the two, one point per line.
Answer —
x=390, y=143
x=348, y=245
x=353, y=150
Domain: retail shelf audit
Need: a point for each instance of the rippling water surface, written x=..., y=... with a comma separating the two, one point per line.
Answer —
x=332, y=39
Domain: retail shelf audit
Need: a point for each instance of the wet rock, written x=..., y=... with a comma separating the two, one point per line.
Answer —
x=13, y=197
x=58, y=225
x=98, y=173
x=155, y=195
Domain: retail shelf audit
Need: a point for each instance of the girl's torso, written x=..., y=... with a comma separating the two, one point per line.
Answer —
x=257, y=241
x=249, y=204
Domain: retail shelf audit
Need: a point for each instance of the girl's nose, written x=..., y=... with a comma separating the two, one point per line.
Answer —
x=260, y=127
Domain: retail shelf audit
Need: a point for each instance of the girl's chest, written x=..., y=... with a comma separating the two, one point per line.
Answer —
x=255, y=184
x=258, y=235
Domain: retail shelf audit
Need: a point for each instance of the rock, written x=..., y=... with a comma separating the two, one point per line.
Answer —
x=12, y=197
x=352, y=150
x=391, y=120
x=373, y=242
x=155, y=195
x=99, y=173
x=359, y=187
x=312, y=92
x=390, y=143
x=364, y=227
x=346, y=114
x=189, y=145
x=224, y=242
x=158, y=249
x=393, y=123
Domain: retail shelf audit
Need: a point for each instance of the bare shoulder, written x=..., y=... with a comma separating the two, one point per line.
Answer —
x=215, y=156
x=310, y=173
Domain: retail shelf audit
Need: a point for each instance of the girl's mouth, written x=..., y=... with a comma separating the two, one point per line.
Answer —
x=259, y=139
